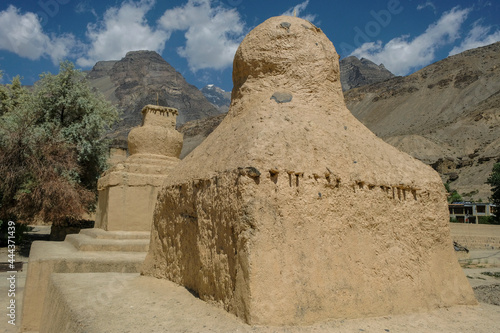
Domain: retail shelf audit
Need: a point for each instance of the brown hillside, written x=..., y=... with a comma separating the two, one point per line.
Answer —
x=448, y=112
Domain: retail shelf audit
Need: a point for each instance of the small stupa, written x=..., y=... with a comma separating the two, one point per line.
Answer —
x=292, y=211
x=120, y=239
x=127, y=192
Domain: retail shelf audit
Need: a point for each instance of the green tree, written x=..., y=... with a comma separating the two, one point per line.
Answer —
x=453, y=195
x=52, y=146
x=67, y=102
x=11, y=95
x=4, y=96
x=494, y=181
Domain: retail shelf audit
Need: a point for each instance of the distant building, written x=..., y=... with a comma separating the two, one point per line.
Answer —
x=469, y=212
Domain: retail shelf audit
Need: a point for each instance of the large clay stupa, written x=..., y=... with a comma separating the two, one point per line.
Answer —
x=292, y=211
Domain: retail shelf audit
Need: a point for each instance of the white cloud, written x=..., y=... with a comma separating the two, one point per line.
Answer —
x=85, y=7
x=123, y=29
x=23, y=35
x=477, y=37
x=213, y=33
x=428, y=4
x=401, y=55
x=298, y=9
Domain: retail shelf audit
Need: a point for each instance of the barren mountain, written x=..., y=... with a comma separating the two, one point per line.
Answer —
x=144, y=77
x=447, y=115
x=356, y=72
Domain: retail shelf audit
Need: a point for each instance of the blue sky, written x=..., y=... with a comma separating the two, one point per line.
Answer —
x=199, y=37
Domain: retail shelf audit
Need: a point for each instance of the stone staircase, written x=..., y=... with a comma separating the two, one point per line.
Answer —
x=100, y=240
x=92, y=250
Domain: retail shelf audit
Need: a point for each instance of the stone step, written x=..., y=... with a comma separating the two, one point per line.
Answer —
x=62, y=257
x=84, y=242
x=103, y=234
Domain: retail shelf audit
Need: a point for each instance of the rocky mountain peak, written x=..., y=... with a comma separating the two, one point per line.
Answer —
x=144, y=77
x=356, y=72
x=217, y=96
x=100, y=69
x=143, y=54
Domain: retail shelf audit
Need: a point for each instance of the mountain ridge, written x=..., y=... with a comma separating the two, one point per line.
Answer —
x=356, y=72
x=144, y=77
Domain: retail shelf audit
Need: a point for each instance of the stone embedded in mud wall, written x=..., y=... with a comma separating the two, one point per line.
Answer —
x=127, y=192
x=293, y=212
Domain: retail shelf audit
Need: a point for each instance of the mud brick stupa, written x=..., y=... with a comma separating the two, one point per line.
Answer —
x=127, y=192
x=293, y=212
x=120, y=239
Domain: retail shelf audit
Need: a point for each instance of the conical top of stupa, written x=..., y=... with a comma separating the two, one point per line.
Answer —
x=288, y=113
